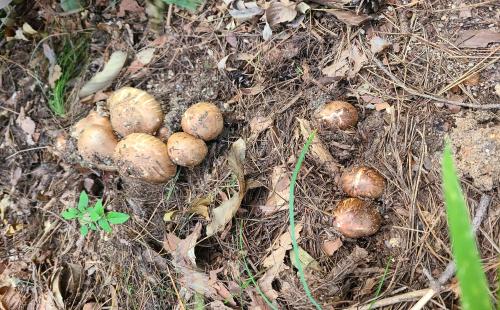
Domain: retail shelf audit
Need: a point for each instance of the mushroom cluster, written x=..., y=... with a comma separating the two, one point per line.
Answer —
x=355, y=217
x=126, y=139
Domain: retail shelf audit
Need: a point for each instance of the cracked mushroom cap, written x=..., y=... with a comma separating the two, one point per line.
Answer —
x=134, y=111
x=144, y=157
x=203, y=120
x=356, y=218
x=186, y=150
x=338, y=114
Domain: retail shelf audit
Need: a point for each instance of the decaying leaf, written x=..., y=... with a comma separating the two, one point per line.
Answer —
x=280, y=12
x=259, y=124
x=306, y=260
x=279, y=194
x=28, y=29
x=351, y=60
x=104, y=78
x=349, y=17
x=267, y=33
x=358, y=59
x=274, y=262
x=142, y=59
x=129, y=6
x=10, y=299
x=331, y=246
x=244, y=11
x=477, y=38
x=27, y=125
x=378, y=44
x=317, y=150
x=225, y=212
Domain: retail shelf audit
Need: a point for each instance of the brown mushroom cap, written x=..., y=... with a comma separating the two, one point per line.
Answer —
x=96, y=144
x=142, y=156
x=338, y=114
x=93, y=118
x=134, y=111
x=203, y=120
x=362, y=182
x=356, y=218
x=186, y=150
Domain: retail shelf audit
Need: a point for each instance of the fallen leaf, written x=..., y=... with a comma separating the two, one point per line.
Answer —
x=218, y=305
x=12, y=229
x=472, y=80
x=104, y=78
x=497, y=89
x=129, y=6
x=4, y=204
x=382, y=106
x=252, y=91
x=267, y=33
x=221, y=65
x=317, y=150
x=279, y=194
x=368, y=286
x=20, y=35
x=142, y=59
x=367, y=98
x=27, y=125
x=339, y=67
x=257, y=302
x=245, y=11
x=358, y=59
x=378, y=44
x=28, y=29
x=331, y=246
x=477, y=38
x=90, y=306
x=306, y=260
x=55, y=73
x=231, y=39
x=225, y=212
x=170, y=216
x=465, y=11
x=201, y=210
x=171, y=242
x=259, y=124
x=10, y=298
x=303, y=8
x=274, y=261
x=47, y=302
x=280, y=12
x=49, y=53
x=15, y=176
x=349, y=17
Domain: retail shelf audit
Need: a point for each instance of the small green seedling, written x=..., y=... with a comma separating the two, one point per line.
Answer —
x=93, y=217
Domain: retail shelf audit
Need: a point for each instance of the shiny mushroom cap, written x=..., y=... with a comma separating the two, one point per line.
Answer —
x=355, y=218
x=338, y=114
x=363, y=182
x=186, y=150
x=96, y=144
x=203, y=120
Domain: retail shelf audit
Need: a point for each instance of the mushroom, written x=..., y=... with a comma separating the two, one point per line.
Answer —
x=142, y=156
x=93, y=118
x=338, y=114
x=96, y=144
x=362, y=182
x=186, y=150
x=203, y=120
x=356, y=218
x=134, y=111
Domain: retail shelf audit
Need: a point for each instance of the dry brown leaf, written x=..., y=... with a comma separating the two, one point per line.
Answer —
x=47, y=302
x=339, y=67
x=245, y=11
x=349, y=17
x=367, y=98
x=280, y=12
x=27, y=125
x=225, y=212
x=10, y=299
x=368, y=286
x=382, y=106
x=90, y=306
x=252, y=91
x=477, y=38
x=497, y=89
x=142, y=59
x=331, y=246
x=171, y=242
x=358, y=59
x=317, y=150
x=275, y=261
x=472, y=80
x=258, y=125
x=279, y=194
x=257, y=302
x=218, y=305
x=129, y=6
x=378, y=44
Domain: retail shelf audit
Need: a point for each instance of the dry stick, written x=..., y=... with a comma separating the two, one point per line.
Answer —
x=449, y=271
x=412, y=91
x=169, y=15
x=394, y=300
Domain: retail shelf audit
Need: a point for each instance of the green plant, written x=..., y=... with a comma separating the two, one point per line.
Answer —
x=70, y=60
x=93, y=217
x=185, y=4
x=474, y=292
x=381, y=282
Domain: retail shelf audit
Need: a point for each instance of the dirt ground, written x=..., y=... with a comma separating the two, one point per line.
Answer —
x=435, y=76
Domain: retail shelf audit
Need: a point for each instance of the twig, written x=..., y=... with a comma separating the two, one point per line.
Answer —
x=169, y=15
x=394, y=300
x=412, y=91
x=449, y=271
x=26, y=150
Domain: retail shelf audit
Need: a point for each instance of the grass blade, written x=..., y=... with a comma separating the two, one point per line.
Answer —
x=291, y=204
x=472, y=280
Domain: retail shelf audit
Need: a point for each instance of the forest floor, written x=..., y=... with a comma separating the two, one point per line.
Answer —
x=418, y=72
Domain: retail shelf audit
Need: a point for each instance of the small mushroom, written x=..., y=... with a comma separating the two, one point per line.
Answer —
x=134, y=111
x=186, y=150
x=203, y=120
x=96, y=144
x=338, y=114
x=362, y=182
x=356, y=218
x=93, y=118
x=142, y=156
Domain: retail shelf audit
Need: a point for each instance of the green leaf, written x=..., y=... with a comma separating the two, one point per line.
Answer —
x=71, y=5
x=83, y=202
x=70, y=214
x=99, y=208
x=472, y=280
x=117, y=217
x=92, y=226
x=84, y=230
x=103, y=223
x=94, y=214
x=185, y=4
